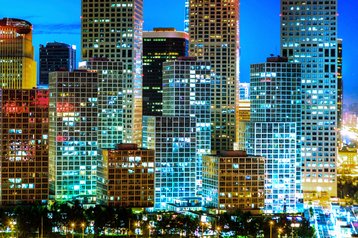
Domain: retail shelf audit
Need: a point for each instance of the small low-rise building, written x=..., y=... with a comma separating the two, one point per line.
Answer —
x=129, y=171
x=233, y=180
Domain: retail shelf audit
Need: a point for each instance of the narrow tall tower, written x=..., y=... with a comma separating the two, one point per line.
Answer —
x=114, y=30
x=214, y=37
x=309, y=37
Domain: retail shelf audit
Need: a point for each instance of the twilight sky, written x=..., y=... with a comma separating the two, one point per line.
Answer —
x=59, y=20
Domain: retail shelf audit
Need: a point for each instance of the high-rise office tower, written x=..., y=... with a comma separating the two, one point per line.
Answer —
x=174, y=141
x=214, y=37
x=110, y=113
x=17, y=68
x=187, y=93
x=73, y=137
x=24, y=145
x=309, y=36
x=340, y=83
x=130, y=176
x=86, y=116
x=159, y=45
x=114, y=30
x=275, y=131
x=56, y=56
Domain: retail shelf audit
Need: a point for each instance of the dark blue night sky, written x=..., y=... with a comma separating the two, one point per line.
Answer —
x=59, y=20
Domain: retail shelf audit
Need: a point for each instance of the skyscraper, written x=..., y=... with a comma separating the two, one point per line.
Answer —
x=24, y=126
x=73, y=137
x=17, y=68
x=56, y=56
x=187, y=93
x=214, y=37
x=275, y=130
x=174, y=141
x=86, y=117
x=309, y=36
x=114, y=30
x=159, y=45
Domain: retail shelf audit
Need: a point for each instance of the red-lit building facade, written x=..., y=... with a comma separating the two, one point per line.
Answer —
x=24, y=130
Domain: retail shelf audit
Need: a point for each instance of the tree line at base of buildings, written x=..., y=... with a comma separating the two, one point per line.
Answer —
x=65, y=219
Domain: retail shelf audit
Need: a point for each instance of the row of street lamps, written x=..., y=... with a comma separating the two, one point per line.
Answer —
x=83, y=226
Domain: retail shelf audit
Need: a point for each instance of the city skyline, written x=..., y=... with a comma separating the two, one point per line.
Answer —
x=54, y=21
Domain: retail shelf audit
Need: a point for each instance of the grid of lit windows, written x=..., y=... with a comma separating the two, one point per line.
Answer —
x=174, y=142
x=73, y=136
x=114, y=30
x=24, y=129
x=233, y=180
x=214, y=37
x=309, y=36
x=159, y=45
x=130, y=176
x=187, y=92
x=275, y=131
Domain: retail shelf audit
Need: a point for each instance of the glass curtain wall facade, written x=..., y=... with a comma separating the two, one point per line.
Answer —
x=233, y=180
x=56, y=56
x=214, y=37
x=309, y=36
x=114, y=30
x=24, y=127
x=174, y=141
x=159, y=45
x=17, y=67
x=73, y=136
x=187, y=92
x=130, y=176
x=275, y=131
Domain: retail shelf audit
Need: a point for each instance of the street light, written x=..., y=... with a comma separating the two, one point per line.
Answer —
x=202, y=229
x=279, y=232
x=73, y=229
x=83, y=229
x=271, y=225
x=149, y=229
x=218, y=229
x=12, y=226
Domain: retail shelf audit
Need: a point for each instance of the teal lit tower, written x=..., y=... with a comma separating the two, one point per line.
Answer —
x=309, y=37
x=275, y=131
x=187, y=92
x=73, y=147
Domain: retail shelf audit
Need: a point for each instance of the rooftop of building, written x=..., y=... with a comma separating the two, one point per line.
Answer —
x=277, y=58
x=22, y=26
x=165, y=32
